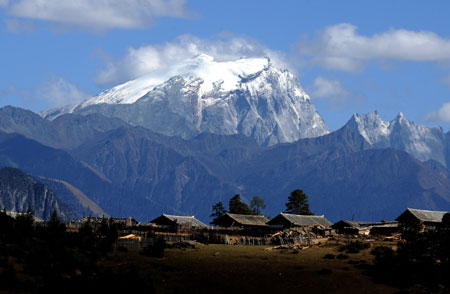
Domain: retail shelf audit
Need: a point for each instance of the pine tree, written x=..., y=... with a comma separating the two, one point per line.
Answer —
x=55, y=227
x=298, y=203
x=218, y=210
x=238, y=207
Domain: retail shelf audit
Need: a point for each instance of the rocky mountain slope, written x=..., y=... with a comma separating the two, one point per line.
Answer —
x=132, y=171
x=49, y=165
x=422, y=142
x=340, y=172
x=19, y=192
x=247, y=96
x=66, y=132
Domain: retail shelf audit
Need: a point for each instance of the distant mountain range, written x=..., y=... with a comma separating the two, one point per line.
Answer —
x=422, y=142
x=132, y=171
x=235, y=127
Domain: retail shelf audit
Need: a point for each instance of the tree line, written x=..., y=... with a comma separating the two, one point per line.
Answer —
x=297, y=204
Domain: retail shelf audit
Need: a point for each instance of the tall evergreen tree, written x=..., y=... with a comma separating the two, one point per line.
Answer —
x=55, y=227
x=298, y=203
x=237, y=206
x=218, y=210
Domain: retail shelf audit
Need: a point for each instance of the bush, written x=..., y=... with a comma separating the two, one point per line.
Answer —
x=342, y=256
x=156, y=249
x=354, y=247
x=384, y=256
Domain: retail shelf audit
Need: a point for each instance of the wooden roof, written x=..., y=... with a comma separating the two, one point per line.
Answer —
x=362, y=225
x=249, y=220
x=181, y=220
x=423, y=215
x=303, y=220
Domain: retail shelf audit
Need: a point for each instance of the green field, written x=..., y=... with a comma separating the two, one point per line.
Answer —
x=252, y=269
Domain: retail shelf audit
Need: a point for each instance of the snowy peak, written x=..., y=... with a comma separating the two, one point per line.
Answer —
x=247, y=96
x=223, y=76
x=422, y=142
x=371, y=127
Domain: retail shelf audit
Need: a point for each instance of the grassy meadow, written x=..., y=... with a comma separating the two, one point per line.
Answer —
x=253, y=269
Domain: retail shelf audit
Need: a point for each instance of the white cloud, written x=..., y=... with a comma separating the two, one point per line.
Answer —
x=332, y=90
x=324, y=88
x=57, y=92
x=145, y=59
x=97, y=15
x=54, y=92
x=341, y=47
x=441, y=115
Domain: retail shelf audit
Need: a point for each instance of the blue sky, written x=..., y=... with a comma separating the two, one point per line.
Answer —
x=350, y=56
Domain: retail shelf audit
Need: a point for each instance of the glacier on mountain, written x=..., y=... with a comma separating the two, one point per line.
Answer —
x=248, y=96
x=422, y=142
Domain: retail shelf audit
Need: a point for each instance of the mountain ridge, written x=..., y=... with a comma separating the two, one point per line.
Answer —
x=422, y=142
x=133, y=171
x=247, y=96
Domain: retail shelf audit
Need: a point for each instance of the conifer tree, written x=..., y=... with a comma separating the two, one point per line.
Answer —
x=218, y=210
x=298, y=203
x=238, y=207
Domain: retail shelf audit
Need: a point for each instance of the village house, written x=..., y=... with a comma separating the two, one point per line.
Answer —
x=351, y=227
x=176, y=221
x=365, y=228
x=287, y=221
x=385, y=229
x=231, y=220
x=127, y=222
x=428, y=218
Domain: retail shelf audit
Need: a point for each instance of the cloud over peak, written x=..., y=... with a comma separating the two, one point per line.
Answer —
x=341, y=47
x=333, y=91
x=440, y=115
x=148, y=58
x=98, y=15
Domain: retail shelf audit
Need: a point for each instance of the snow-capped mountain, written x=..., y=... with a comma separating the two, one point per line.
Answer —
x=422, y=142
x=248, y=96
